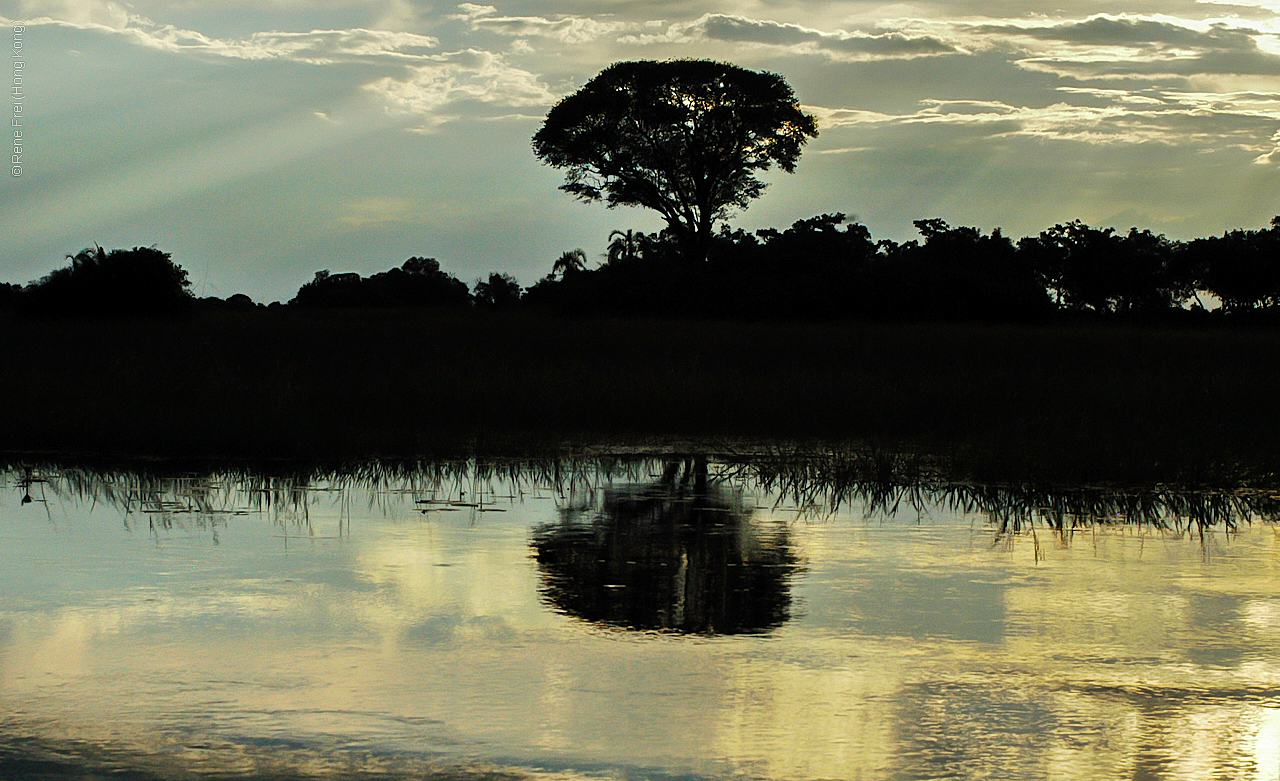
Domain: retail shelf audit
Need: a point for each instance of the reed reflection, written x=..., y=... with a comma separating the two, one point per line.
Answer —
x=676, y=554
x=818, y=483
x=884, y=483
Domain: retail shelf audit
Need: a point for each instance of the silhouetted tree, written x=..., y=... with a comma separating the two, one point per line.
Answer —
x=624, y=246
x=812, y=269
x=499, y=291
x=241, y=302
x=684, y=138
x=142, y=281
x=1153, y=278
x=961, y=274
x=570, y=262
x=327, y=290
x=1091, y=269
x=1241, y=267
x=820, y=237
x=419, y=282
x=235, y=303
x=9, y=295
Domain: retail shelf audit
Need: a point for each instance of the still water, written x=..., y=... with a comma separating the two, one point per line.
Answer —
x=682, y=617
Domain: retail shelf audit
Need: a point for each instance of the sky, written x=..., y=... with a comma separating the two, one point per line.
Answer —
x=262, y=141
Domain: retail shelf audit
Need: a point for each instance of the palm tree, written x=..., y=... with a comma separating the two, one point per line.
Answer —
x=88, y=257
x=570, y=262
x=625, y=246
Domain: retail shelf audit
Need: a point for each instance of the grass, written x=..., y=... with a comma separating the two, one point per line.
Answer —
x=1079, y=402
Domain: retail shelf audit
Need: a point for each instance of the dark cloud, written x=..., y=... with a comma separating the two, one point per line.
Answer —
x=1214, y=63
x=1167, y=55
x=898, y=86
x=739, y=29
x=1133, y=32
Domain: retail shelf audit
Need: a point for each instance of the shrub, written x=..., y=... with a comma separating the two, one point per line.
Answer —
x=142, y=281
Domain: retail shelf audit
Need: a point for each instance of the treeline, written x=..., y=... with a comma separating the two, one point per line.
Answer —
x=144, y=281
x=98, y=283
x=824, y=267
x=821, y=267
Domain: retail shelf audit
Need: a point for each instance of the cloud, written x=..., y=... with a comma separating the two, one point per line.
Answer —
x=430, y=84
x=1214, y=63
x=376, y=212
x=319, y=47
x=829, y=118
x=81, y=13
x=1271, y=157
x=327, y=46
x=1134, y=48
x=1189, y=122
x=565, y=29
x=1107, y=95
x=838, y=44
x=473, y=11
x=469, y=76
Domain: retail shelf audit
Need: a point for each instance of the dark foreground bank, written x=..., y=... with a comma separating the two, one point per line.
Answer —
x=1092, y=403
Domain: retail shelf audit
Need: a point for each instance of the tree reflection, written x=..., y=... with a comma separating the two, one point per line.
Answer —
x=677, y=554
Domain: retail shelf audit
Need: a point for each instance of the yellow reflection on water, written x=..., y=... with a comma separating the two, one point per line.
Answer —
x=918, y=646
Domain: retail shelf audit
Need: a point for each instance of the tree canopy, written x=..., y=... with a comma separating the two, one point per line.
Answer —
x=123, y=282
x=418, y=283
x=685, y=138
x=499, y=291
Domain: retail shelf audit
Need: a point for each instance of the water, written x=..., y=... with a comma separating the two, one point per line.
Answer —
x=651, y=618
